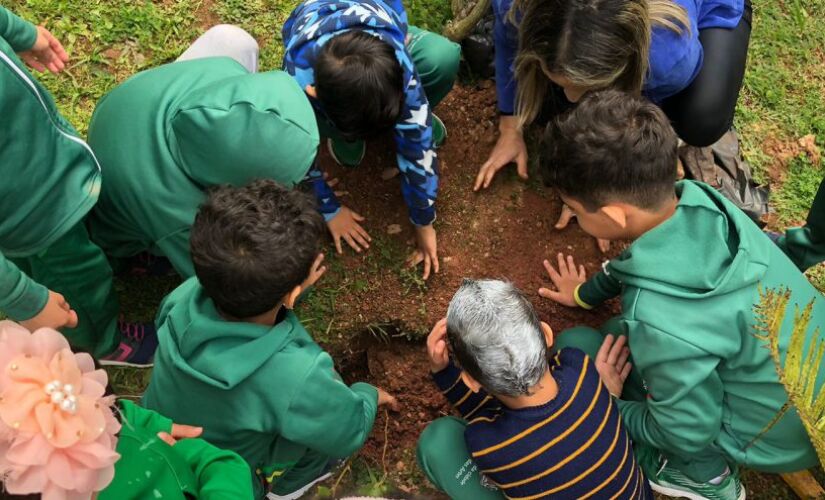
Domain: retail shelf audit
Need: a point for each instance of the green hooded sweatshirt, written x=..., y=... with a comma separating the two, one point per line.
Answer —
x=270, y=394
x=50, y=178
x=688, y=289
x=168, y=134
x=150, y=468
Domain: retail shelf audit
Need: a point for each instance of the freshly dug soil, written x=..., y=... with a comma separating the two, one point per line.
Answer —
x=504, y=232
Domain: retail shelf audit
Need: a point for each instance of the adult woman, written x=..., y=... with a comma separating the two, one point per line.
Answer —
x=688, y=56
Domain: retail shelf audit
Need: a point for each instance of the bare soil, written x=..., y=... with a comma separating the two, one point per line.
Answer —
x=504, y=232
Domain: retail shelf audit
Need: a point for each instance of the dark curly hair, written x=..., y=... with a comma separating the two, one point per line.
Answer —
x=252, y=245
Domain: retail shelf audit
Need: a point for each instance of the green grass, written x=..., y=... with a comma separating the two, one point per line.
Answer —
x=784, y=93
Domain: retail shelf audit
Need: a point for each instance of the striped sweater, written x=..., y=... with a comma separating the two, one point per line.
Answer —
x=574, y=446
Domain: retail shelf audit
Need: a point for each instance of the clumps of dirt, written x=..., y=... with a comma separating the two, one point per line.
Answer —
x=399, y=366
x=504, y=232
x=782, y=152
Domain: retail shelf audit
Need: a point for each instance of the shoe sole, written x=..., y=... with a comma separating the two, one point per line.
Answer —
x=673, y=492
x=338, y=161
x=301, y=491
x=106, y=362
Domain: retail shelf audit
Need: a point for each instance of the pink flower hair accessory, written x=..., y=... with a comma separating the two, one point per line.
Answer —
x=57, y=430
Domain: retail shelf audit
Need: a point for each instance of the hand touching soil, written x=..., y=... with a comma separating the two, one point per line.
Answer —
x=427, y=251
x=345, y=225
x=509, y=148
x=566, y=280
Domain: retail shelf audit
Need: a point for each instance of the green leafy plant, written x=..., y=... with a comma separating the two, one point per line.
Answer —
x=799, y=371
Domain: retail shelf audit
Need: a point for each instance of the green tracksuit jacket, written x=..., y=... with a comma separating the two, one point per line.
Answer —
x=50, y=178
x=150, y=468
x=688, y=288
x=269, y=393
x=168, y=134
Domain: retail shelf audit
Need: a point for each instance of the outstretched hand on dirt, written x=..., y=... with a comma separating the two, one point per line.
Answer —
x=387, y=399
x=566, y=280
x=180, y=432
x=437, y=347
x=564, y=219
x=345, y=225
x=612, y=365
x=427, y=251
x=510, y=148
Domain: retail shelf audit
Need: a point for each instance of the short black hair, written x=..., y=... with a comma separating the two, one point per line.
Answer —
x=611, y=147
x=252, y=245
x=360, y=84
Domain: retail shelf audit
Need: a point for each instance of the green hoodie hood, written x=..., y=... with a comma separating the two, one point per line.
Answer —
x=667, y=260
x=271, y=394
x=688, y=291
x=221, y=353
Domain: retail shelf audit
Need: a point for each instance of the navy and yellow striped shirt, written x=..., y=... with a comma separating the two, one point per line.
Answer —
x=574, y=446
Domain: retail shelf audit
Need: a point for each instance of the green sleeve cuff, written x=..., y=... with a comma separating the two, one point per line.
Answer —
x=143, y=418
x=366, y=389
x=20, y=34
x=578, y=299
x=21, y=298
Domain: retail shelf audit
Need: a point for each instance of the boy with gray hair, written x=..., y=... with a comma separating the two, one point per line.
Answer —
x=531, y=427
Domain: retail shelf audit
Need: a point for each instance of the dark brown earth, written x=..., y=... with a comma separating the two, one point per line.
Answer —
x=504, y=232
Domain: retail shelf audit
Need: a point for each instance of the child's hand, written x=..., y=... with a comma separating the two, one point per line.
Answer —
x=612, y=365
x=566, y=280
x=180, y=432
x=510, y=148
x=427, y=251
x=46, y=54
x=387, y=399
x=437, y=347
x=346, y=225
x=564, y=219
x=315, y=272
x=56, y=314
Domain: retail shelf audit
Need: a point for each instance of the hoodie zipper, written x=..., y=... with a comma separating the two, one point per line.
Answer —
x=56, y=125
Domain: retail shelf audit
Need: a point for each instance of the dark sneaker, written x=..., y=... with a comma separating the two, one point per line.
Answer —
x=137, y=346
x=347, y=154
x=673, y=483
x=439, y=131
x=146, y=264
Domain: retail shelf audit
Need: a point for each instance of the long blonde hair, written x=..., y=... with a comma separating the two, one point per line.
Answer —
x=595, y=44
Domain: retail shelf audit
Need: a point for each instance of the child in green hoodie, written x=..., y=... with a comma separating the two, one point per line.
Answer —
x=704, y=392
x=233, y=357
x=51, y=274
x=167, y=135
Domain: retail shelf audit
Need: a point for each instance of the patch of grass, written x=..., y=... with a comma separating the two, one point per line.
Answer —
x=794, y=197
x=108, y=40
x=784, y=90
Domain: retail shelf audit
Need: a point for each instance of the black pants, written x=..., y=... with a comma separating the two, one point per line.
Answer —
x=703, y=112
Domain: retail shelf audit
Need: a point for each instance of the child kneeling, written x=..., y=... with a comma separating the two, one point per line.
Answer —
x=704, y=391
x=233, y=357
x=530, y=427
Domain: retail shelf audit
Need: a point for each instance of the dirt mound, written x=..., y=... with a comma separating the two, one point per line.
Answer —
x=503, y=232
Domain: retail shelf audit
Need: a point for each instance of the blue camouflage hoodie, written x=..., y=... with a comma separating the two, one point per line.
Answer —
x=315, y=22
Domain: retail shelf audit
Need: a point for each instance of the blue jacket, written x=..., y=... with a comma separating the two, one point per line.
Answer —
x=675, y=59
x=315, y=22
